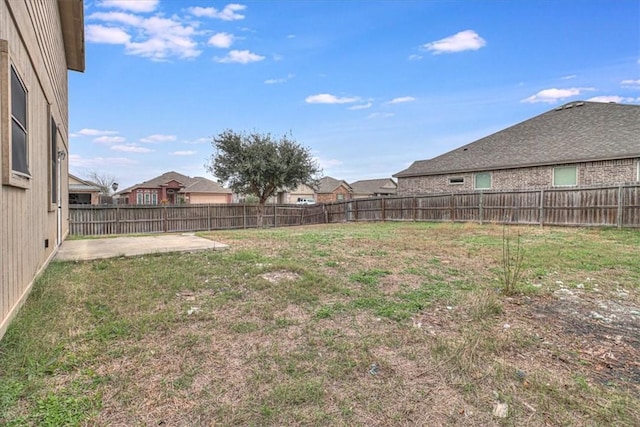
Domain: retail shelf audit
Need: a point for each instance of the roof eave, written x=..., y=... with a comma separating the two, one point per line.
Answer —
x=72, y=20
x=526, y=165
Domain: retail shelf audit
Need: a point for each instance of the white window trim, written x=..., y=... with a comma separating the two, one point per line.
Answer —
x=553, y=176
x=456, y=183
x=475, y=181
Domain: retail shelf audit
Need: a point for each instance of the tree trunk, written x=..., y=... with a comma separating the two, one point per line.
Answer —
x=260, y=214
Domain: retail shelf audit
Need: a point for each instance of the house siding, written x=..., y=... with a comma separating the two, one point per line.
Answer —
x=33, y=33
x=589, y=173
x=333, y=197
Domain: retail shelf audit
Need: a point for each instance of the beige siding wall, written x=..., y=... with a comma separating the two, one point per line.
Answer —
x=589, y=173
x=28, y=219
x=198, y=198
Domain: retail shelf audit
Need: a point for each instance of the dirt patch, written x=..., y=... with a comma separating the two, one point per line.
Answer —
x=281, y=276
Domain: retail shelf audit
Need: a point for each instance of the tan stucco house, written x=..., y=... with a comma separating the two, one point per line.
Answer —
x=576, y=144
x=39, y=41
x=82, y=192
x=175, y=188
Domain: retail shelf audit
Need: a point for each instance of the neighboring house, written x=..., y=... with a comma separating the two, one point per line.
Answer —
x=374, y=188
x=302, y=193
x=332, y=190
x=175, y=188
x=83, y=192
x=576, y=144
x=39, y=41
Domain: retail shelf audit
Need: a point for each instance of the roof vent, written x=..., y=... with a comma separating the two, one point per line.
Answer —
x=579, y=104
x=558, y=108
x=568, y=106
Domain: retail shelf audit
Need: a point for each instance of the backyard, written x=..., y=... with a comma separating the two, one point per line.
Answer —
x=370, y=324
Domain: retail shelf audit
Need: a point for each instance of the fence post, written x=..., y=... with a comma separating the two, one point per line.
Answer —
x=480, y=213
x=355, y=209
x=275, y=216
x=165, y=225
x=208, y=217
x=414, y=207
x=384, y=215
x=541, y=219
x=620, y=206
x=118, y=231
x=244, y=216
x=452, y=205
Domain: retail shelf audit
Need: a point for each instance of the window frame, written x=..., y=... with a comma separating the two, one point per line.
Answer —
x=139, y=197
x=54, y=161
x=11, y=177
x=574, y=167
x=453, y=180
x=475, y=180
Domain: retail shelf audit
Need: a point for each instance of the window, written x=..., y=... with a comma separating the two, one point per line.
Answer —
x=139, y=198
x=565, y=176
x=19, y=152
x=340, y=196
x=154, y=198
x=147, y=198
x=54, y=162
x=456, y=180
x=483, y=181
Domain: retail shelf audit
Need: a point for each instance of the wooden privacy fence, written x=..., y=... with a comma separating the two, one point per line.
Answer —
x=603, y=206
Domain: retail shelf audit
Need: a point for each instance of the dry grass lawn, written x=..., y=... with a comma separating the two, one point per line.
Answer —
x=380, y=324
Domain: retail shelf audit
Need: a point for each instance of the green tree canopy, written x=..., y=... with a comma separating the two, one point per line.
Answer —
x=261, y=165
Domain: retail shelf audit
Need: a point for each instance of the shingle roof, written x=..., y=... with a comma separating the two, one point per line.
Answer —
x=374, y=186
x=575, y=132
x=328, y=184
x=191, y=185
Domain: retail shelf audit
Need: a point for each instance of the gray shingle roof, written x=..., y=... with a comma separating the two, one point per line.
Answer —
x=575, y=132
x=374, y=186
x=328, y=184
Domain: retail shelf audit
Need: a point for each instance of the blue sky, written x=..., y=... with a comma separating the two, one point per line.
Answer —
x=368, y=86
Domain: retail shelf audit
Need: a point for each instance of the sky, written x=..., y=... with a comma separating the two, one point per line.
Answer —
x=368, y=86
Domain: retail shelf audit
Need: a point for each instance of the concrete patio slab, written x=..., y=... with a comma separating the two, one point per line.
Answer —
x=88, y=249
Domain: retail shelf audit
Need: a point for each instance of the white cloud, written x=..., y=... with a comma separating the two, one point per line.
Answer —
x=326, y=98
x=553, y=95
x=572, y=76
x=156, y=37
x=280, y=80
x=380, y=115
x=221, y=40
x=414, y=57
x=132, y=5
x=401, y=100
x=107, y=35
x=464, y=40
x=77, y=161
x=183, y=153
x=291, y=36
x=240, y=57
x=197, y=141
x=229, y=13
x=614, y=98
x=109, y=139
x=361, y=106
x=94, y=132
x=635, y=84
x=156, y=138
x=328, y=163
x=131, y=148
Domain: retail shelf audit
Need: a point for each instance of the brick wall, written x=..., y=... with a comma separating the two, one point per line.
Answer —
x=332, y=197
x=589, y=173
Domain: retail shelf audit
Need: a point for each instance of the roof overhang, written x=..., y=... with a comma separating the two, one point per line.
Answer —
x=72, y=20
x=522, y=166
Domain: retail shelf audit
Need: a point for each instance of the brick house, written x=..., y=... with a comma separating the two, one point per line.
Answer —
x=333, y=190
x=175, y=188
x=576, y=144
x=40, y=41
x=374, y=188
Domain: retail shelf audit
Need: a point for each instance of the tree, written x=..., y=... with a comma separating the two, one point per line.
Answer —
x=105, y=181
x=259, y=165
